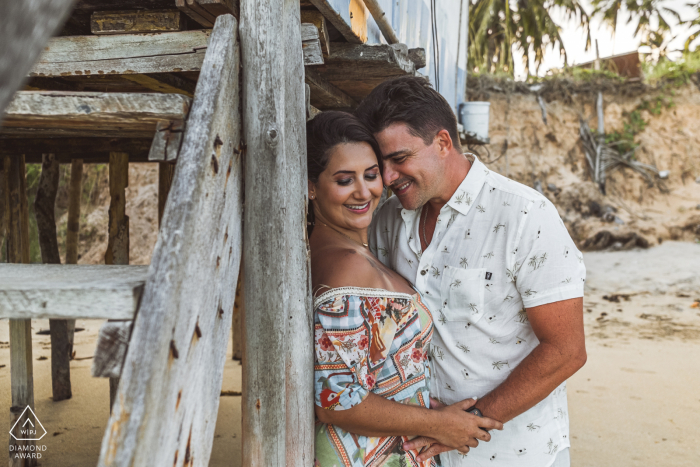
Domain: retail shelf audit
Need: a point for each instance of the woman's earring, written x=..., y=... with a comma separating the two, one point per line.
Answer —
x=312, y=197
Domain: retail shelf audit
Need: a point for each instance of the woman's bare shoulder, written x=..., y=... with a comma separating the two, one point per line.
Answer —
x=345, y=267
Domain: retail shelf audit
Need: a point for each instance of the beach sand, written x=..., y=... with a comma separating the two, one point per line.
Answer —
x=635, y=403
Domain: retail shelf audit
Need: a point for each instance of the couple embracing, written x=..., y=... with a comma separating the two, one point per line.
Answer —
x=446, y=322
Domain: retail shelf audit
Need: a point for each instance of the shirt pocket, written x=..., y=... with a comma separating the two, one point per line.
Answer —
x=462, y=292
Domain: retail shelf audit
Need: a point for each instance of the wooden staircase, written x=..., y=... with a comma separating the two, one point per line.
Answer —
x=150, y=86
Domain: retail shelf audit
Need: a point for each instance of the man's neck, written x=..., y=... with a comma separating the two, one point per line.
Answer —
x=455, y=173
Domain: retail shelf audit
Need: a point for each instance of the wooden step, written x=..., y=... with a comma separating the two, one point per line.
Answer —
x=56, y=113
x=65, y=291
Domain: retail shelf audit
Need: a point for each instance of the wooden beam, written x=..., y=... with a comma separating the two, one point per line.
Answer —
x=92, y=150
x=124, y=54
x=24, y=29
x=166, y=171
x=357, y=69
x=311, y=45
x=174, y=365
x=110, y=351
x=51, y=291
x=75, y=191
x=382, y=22
x=277, y=424
x=205, y=12
x=340, y=19
x=237, y=326
x=44, y=206
x=326, y=96
x=56, y=113
x=164, y=82
x=167, y=140
x=317, y=19
x=21, y=367
x=135, y=21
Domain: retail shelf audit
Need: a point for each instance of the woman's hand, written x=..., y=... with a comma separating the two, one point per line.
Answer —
x=458, y=430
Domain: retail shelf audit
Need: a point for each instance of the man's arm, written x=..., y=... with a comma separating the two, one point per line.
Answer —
x=560, y=354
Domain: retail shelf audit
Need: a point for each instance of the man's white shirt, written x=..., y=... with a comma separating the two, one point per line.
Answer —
x=498, y=248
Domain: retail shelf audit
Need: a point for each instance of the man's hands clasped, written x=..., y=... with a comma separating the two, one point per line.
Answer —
x=458, y=430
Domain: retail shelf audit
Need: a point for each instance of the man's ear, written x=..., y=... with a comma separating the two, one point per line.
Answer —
x=312, y=189
x=444, y=141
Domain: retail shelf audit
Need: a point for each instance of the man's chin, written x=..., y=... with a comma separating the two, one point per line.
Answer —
x=408, y=203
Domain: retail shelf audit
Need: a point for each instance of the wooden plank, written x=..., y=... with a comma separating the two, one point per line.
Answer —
x=311, y=45
x=326, y=96
x=75, y=189
x=221, y=7
x=135, y=21
x=123, y=54
x=382, y=22
x=118, y=231
x=174, y=365
x=44, y=206
x=338, y=19
x=166, y=171
x=92, y=150
x=357, y=69
x=167, y=140
x=203, y=18
x=57, y=113
x=24, y=29
x=317, y=19
x=41, y=291
x=299, y=366
x=21, y=368
x=164, y=82
x=110, y=350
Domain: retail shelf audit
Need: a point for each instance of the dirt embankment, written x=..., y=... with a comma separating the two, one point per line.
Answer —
x=550, y=155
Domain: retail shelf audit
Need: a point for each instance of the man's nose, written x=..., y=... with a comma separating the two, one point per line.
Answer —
x=390, y=175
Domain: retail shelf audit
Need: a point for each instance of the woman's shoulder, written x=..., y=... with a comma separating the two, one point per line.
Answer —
x=339, y=267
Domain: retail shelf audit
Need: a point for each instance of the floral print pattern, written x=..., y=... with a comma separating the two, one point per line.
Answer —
x=369, y=340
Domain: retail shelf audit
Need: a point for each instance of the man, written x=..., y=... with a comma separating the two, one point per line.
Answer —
x=497, y=268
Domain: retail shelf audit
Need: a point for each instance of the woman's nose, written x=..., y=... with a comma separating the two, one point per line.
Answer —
x=363, y=192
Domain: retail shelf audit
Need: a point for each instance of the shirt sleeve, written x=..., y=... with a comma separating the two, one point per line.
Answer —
x=341, y=377
x=550, y=267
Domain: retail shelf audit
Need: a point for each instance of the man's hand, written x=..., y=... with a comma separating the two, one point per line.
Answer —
x=460, y=430
x=434, y=448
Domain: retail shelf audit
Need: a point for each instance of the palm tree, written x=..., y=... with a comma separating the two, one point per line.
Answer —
x=646, y=13
x=496, y=27
x=692, y=23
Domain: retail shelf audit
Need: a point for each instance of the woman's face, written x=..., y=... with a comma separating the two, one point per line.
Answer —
x=348, y=191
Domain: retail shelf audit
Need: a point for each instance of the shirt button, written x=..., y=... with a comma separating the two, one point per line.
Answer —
x=423, y=272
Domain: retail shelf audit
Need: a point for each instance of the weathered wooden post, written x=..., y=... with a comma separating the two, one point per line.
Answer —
x=44, y=206
x=21, y=369
x=75, y=189
x=277, y=424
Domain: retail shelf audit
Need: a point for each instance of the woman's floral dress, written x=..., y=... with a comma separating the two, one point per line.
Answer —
x=369, y=340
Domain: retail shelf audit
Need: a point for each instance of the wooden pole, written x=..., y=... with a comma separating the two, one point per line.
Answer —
x=75, y=190
x=44, y=206
x=21, y=370
x=118, y=242
x=3, y=211
x=277, y=425
x=237, y=325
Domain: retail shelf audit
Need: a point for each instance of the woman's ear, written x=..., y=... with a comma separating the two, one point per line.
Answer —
x=312, y=190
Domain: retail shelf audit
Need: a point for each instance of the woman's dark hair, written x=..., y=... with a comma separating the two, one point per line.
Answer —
x=410, y=100
x=325, y=131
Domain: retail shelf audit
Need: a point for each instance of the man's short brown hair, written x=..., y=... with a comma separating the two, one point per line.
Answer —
x=413, y=101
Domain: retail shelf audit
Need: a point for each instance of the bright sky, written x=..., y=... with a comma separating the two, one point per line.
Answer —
x=624, y=41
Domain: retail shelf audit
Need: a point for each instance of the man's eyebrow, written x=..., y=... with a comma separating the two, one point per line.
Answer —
x=396, y=153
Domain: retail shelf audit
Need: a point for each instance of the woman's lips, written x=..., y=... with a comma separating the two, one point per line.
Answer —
x=358, y=208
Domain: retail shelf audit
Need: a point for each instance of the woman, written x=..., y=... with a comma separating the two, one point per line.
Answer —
x=372, y=331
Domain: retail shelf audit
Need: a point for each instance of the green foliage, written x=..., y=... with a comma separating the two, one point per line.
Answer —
x=33, y=174
x=636, y=124
x=676, y=72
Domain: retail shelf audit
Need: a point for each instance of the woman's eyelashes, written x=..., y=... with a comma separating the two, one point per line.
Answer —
x=348, y=181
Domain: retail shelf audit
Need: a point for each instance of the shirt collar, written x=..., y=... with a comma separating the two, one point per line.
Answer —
x=469, y=189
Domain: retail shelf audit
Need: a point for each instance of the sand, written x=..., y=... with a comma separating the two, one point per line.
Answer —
x=635, y=403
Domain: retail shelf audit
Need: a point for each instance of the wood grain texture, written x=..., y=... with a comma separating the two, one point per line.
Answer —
x=135, y=21
x=24, y=29
x=110, y=350
x=167, y=402
x=326, y=96
x=357, y=69
x=90, y=149
x=40, y=291
x=317, y=19
x=336, y=19
x=21, y=364
x=44, y=205
x=123, y=54
x=57, y=113
x=311, y=44
x=166, y=171
x=237, y=322
x=118, y=226
x=73, y=225
x=167, y=140
x=300, y=435
x=382, y=21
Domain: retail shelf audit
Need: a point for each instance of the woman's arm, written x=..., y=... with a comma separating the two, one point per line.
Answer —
x=377, y=416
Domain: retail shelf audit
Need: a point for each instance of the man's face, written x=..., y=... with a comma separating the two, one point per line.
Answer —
x=412, y=169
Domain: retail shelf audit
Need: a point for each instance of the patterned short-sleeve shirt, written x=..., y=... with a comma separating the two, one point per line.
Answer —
x=368, y=340
x=499, y=248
